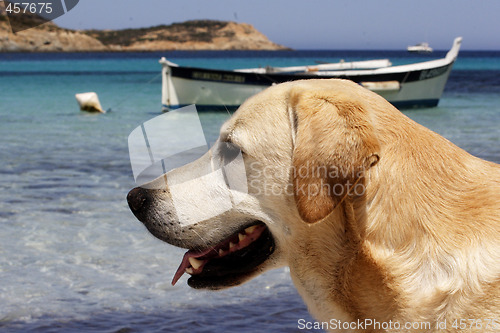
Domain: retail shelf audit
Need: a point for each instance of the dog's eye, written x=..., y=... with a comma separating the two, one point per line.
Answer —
x=228, y=152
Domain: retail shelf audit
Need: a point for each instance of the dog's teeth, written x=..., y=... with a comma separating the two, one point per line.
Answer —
x=195, y=262
x=189, y=270
x=251, y=229
x=231, y=245
x=241, y=237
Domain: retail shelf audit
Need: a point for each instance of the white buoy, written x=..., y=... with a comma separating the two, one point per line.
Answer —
x=89, y=102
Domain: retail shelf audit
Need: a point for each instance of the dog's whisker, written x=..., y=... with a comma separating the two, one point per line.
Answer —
x=201, y=237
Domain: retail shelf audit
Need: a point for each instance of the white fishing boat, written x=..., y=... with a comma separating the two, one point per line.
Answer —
x=420, y=48
x=414, y=85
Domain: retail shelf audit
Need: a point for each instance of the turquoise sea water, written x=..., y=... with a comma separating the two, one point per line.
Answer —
x=72, y=256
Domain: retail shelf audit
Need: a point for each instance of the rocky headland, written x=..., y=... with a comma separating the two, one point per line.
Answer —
x=190, y=35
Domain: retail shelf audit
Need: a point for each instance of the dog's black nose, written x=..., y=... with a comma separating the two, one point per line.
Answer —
x=136, y=199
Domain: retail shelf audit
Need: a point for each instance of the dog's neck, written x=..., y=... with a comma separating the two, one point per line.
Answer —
x=401, y=255
x=413, y=242
x=346, y=261
x=361, y=277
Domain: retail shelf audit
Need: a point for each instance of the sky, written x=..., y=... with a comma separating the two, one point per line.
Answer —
x=314, y=24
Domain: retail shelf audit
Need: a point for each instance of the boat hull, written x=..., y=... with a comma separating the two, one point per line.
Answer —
x=212, y=95
x=210, y=92
x=415, y=85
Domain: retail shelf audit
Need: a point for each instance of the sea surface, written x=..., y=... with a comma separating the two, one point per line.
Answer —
x=73, y=257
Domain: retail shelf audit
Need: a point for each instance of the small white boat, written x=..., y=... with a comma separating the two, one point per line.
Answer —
x=414, y=85
x=420, y=48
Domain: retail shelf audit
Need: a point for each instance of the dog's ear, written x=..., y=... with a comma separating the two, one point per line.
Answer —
x=334, y=144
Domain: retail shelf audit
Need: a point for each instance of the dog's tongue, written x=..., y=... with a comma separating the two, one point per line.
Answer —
x=186, y=263
x=181, y=270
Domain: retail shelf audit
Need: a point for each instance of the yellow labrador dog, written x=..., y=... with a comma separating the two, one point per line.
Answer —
x=379, y=219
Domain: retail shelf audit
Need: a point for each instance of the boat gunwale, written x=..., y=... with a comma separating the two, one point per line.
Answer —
x=270, y=78
x=449, y=59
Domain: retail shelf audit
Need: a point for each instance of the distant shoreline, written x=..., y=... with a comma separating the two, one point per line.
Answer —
x=369, y=53
x=197, y=35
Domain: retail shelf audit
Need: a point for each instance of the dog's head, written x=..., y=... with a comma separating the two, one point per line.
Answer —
x=307, y=147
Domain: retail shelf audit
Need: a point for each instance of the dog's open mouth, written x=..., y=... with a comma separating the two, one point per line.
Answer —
x=227, y=263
